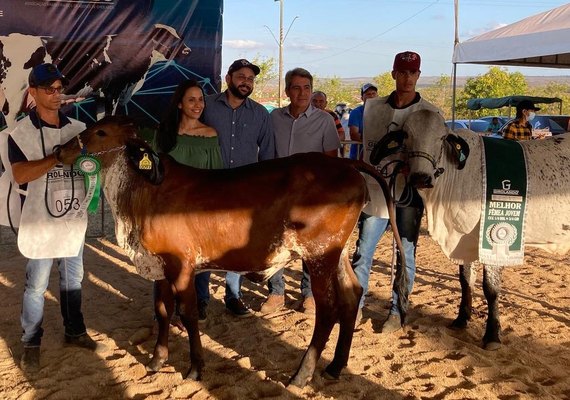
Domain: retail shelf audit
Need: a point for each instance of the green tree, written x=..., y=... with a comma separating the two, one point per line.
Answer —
x=440, y=94
x=263, y=91
x=553, y=89
x=496, y=82
x=385, y=83
x=336, y=91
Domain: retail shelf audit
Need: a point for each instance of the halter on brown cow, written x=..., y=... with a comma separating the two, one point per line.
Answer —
x=253, y=219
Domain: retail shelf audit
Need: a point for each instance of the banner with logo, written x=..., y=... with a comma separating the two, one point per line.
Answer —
x=501, y=239
x=120, y=56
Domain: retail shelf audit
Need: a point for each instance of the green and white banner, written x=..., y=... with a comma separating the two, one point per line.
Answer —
x=501, y=239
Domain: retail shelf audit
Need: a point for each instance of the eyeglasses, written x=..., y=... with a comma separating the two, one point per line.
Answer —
x=51, y=90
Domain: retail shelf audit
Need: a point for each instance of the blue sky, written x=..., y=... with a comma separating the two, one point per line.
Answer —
x=359, y=38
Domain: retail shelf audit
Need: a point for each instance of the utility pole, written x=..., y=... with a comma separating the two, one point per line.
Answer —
x=280, y=87
x=280, y=45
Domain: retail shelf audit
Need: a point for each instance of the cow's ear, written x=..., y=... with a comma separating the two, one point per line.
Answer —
x=390, y=144
x=145, y=161
x=459, y=149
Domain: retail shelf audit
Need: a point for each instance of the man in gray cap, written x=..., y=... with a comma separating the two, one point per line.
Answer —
x=246, y=136
x=50, y=228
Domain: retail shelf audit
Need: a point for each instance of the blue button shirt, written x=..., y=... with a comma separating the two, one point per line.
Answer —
x=245, y=134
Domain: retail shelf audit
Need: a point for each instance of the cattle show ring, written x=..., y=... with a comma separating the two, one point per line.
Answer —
x=489, y=314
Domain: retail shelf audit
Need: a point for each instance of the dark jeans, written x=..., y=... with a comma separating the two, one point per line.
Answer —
x=276, y=284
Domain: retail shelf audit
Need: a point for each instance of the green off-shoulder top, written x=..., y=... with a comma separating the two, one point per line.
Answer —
x=198, y=151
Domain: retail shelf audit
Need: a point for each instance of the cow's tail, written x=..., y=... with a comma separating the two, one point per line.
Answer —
x=402, y=279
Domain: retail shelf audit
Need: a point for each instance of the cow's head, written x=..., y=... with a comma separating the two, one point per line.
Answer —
x=109, y=137
x=430, y=147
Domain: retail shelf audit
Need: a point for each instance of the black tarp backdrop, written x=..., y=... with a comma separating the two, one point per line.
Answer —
x=121, y=56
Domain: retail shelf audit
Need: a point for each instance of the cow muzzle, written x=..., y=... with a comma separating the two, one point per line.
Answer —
x=421, y=180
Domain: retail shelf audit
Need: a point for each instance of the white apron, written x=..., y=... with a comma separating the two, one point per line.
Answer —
x=379, y=119
x=42, y=235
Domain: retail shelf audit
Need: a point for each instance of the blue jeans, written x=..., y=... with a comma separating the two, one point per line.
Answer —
x=370, y=231
x=37, y=279
x=276, y=284
x=233, y=286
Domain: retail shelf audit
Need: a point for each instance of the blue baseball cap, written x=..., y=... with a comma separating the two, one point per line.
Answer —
x=45, y=75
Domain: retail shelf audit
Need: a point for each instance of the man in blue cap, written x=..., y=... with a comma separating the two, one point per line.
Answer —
x=50, y=228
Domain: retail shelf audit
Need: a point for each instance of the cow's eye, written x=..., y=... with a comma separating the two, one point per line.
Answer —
x=100, y=133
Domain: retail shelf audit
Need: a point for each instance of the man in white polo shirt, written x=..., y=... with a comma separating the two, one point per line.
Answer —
x=299, y=127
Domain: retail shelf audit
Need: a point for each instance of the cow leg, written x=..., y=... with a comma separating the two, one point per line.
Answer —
x=188, y=303
x=492, y=290
x=163, y=308
x=325, y=318
x=467, y=275
x=350, y=292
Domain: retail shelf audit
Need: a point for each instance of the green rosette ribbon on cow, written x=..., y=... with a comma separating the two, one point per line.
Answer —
x=90, y=167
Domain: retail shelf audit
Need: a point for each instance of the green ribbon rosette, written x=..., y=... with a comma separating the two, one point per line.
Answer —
x=90, y=167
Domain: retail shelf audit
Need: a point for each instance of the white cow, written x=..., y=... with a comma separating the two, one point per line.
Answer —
x=453, y=201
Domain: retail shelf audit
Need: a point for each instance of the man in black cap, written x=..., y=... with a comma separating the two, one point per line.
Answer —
x=246, y=136
x=50, y=228
x=520, y=127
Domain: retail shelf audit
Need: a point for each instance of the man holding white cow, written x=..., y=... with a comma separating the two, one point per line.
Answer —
x=383, y=115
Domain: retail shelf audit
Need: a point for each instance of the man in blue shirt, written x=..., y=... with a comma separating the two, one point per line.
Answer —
x=246, y=136
x=356, y=119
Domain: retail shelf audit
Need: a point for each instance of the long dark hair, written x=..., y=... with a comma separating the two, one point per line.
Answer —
x=168, y=127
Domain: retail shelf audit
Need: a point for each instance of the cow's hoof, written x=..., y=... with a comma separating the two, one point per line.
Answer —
x=194, y=374
x=492, y=346
x=155, y=365
x=329, y=377
x=298, y=382
x=458, y=324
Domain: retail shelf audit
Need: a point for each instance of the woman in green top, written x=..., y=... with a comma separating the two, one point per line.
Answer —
x=189, y=141
x=183, y=135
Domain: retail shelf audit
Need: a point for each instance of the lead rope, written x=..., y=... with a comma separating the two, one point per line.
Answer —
x=47, y=182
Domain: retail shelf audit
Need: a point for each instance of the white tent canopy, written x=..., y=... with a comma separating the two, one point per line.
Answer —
x=541, y=40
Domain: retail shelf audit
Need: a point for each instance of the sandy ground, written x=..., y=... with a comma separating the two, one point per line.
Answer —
x=253, y=358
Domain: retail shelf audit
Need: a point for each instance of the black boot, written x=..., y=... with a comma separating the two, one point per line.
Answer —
x=30, y=361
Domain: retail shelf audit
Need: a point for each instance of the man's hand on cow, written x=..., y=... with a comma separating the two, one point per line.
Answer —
x=67, y=153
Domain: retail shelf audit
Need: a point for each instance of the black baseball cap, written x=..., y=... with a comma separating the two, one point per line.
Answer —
x=45, y=75
x=527, y=105
x=243, y=63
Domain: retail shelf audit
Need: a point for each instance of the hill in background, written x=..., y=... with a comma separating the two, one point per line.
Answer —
x=430, y=80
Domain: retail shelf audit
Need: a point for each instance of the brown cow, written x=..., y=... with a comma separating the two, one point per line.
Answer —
x=253, y=219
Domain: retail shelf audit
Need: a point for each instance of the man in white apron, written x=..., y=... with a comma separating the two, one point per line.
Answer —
x=49, y=227
x=383, y=115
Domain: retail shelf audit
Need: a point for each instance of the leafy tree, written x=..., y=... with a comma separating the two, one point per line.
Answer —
x=267, y=73
x=496, y=82
x=554, y=89
x=440, y=94
x=336, y=91
x=385, y=83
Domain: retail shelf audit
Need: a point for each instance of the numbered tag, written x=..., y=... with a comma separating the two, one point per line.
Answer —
x=62, y=200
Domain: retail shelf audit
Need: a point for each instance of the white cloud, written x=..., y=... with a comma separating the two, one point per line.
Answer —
x=243, y=44
x=307, y=47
